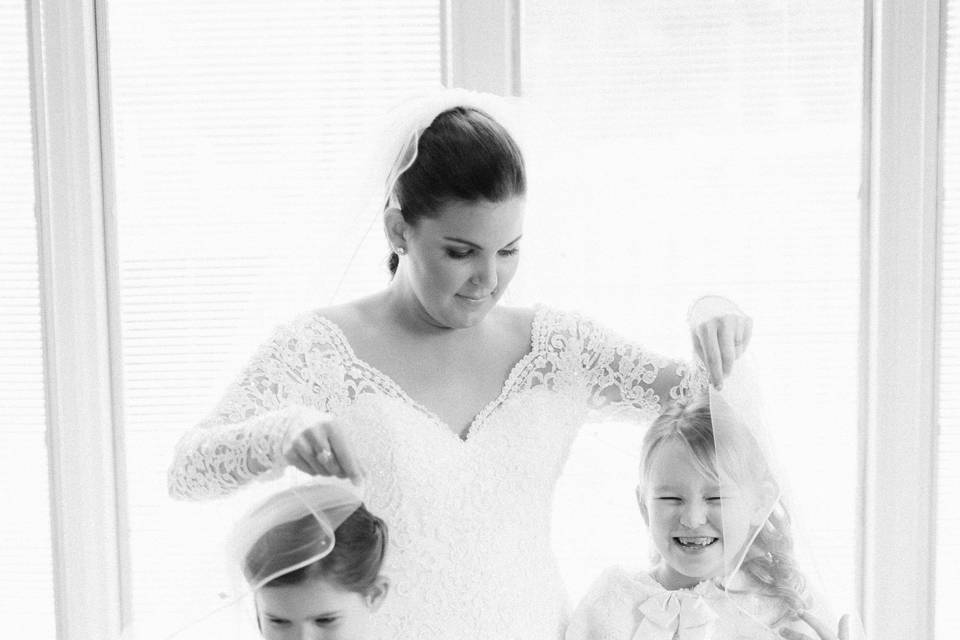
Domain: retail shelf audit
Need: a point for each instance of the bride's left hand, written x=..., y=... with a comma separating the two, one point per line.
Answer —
x=719, y=340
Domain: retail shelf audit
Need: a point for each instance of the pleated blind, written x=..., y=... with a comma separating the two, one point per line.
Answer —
x=26, y=589
x=948, y=446
x=231, y=121
x=681, y=148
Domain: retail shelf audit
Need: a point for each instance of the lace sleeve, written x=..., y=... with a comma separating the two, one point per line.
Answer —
x=623, y=375
x=287, y=383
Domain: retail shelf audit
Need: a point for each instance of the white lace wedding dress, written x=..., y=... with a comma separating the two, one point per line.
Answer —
x=469, y=519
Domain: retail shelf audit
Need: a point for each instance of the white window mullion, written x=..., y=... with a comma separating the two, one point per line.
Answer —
x=900, y=345
x=77, y=345
x=482, y=40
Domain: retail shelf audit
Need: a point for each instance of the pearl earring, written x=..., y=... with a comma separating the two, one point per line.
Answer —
x=400, y=251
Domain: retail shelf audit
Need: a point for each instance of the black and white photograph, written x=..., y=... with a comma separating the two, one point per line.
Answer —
x=480, y=319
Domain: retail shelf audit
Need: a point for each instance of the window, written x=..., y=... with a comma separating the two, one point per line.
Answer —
x=948, y=445
x=25, y=556
x=658, y=127
x=680, y=149
x=230, y=122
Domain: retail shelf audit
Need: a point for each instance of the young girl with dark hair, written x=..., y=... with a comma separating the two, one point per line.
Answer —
x=314, y=581
x=459, y=411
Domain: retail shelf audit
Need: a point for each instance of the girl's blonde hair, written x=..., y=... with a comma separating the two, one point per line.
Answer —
x=769, y=560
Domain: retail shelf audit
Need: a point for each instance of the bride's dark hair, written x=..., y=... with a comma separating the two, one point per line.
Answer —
x=353, y=564
x=464, y=155
x=769, y=561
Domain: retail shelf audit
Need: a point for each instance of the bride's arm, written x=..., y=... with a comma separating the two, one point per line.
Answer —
x=623, y=374
x=244, y=437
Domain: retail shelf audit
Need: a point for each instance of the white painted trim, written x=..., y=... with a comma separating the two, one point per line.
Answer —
x=75, y=227
x=515, y=32
x=112, y=276
x=484, y=45
x=863, y=346
x=901, y=351
x=74, y=290
x=938, y=315
x=446, y=48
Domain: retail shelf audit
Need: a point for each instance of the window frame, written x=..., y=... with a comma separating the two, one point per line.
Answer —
x=79, y=315
x=903, y=54
x=482, y=45
x=899, y=317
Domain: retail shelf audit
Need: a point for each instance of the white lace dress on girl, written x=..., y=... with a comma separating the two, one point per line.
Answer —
x=629, y=604
x=469, y=519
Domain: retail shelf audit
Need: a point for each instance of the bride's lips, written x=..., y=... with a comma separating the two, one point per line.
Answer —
x=474, y=299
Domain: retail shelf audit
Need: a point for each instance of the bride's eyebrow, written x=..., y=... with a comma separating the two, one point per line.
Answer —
x=273, y=616
x=475, y=245
x=462, y=241
x=325, y=614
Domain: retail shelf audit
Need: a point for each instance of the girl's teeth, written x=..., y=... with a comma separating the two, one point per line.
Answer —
x=698, y=542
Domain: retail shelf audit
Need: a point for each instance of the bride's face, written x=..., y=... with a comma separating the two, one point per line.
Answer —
x=696, y=525
x=460, y=262
x=315, y=610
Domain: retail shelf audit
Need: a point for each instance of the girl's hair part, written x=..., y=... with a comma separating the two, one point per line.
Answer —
x=769, y=561
x=464, y=155
x=354, y=563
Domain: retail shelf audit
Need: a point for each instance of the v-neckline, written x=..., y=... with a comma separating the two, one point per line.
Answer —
x=466, y=434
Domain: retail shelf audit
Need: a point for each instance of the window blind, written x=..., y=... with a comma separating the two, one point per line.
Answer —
x=948, y=445
x=25, y=557
x=231, y=121
x=683, y=148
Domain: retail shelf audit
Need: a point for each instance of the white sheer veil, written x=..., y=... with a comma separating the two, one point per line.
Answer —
x=286, y=524
x=370, y=175
x=771, y=572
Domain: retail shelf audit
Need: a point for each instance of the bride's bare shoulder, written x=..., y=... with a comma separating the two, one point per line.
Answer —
x=516, y=320
x=351, y=316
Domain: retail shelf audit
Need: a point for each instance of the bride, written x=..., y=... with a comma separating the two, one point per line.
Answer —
x=457, y=413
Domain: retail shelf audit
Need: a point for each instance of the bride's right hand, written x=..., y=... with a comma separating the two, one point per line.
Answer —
x=823, y=632
x=321, y=448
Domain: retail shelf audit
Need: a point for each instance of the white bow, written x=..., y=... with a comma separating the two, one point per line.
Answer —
x=675, y=615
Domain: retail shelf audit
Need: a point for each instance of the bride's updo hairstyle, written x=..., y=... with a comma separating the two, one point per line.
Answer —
x=770, y=560
x=464, y=155
x=354, y=563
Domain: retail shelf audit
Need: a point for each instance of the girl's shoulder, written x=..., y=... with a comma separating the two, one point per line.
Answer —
x=747, y=606
x=610, y=607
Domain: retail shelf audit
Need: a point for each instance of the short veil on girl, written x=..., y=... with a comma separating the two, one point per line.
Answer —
x=728, y=562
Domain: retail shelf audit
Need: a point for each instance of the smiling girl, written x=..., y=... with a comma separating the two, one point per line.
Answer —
x=723, y=567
